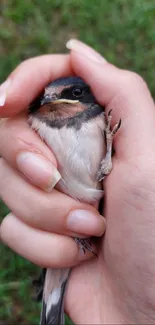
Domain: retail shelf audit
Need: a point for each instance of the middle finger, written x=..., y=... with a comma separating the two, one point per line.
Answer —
x=54, y=212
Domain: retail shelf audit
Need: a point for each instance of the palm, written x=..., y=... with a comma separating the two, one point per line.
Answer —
x=95, y=284
x=83, y=292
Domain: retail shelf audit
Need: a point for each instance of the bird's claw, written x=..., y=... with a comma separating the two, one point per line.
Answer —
x=108, y=132
x=106, y=164
x=85, y=244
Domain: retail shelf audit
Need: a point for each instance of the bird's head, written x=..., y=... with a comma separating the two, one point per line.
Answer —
x=69, y=90
x=63, y=99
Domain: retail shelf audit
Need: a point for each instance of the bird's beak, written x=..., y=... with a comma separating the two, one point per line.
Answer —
x=54, y=100
x=48, y=99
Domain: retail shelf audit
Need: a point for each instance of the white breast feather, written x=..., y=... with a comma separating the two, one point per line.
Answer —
x=79, y=154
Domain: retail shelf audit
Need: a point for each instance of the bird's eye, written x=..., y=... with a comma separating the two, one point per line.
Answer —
x=77, y=92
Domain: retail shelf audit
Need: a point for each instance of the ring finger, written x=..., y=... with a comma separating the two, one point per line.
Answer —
x=41, y=248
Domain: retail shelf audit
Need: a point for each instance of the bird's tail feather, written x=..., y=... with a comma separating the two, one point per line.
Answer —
x=53, y=297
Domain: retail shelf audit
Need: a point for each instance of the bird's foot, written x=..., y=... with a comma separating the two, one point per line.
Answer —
x=85, y=244
x=106, y=164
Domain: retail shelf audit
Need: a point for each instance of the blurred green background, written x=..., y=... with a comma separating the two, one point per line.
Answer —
x=122, y=30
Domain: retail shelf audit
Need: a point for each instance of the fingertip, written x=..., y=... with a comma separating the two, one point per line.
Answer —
x=6, y=227
x=77, y=46
x=86, y=222
x=38, y=170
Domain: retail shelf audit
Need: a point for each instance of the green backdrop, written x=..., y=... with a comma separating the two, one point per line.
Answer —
x=122, y=30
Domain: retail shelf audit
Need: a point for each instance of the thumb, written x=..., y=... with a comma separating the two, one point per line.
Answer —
x=123, y=91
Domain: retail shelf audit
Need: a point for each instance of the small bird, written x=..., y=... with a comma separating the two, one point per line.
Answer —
x=71, y=122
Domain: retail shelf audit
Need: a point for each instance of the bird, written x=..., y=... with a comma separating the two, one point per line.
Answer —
x=67, y=116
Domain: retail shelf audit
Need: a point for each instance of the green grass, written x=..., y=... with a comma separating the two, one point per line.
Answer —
x=122, y=30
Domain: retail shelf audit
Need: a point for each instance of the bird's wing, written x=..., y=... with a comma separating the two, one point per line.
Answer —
x=53, y=302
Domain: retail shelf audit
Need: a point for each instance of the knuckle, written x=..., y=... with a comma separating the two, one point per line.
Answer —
x=9, y=126
x=36, y=213
x=134, y=79
x=4, y=228
x=21, y=143
x=17, y=134
x=23, y=65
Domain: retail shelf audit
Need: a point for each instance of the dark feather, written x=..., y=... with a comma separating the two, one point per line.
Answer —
x=38, y=284
x=67, y=81
x=75, y=121
x=56, y=314
x=35, y=105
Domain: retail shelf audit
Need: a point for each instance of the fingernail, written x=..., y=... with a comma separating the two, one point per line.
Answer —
x=85, y=222
x=38, y=170
x=84, y=49
x=3, y=91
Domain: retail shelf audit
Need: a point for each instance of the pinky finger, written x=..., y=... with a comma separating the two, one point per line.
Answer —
x=42, y=248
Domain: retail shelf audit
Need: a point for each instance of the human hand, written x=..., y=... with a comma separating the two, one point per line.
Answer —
x=40, y=231
x=116, y=287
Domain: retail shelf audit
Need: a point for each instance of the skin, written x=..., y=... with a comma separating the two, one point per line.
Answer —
x=117, y=287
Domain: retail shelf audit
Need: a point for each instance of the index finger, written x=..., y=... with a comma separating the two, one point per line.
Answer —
x=126, y=93
x=28, y=80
